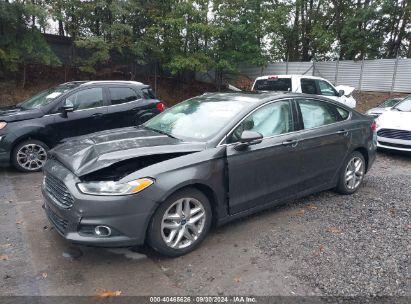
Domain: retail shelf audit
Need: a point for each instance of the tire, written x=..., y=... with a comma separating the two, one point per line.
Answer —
x=159, y=230
x=32, y=148
x=349, y=183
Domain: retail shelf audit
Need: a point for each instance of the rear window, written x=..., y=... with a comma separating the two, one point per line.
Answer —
x=274, y=84
x=122, y=95
x=148, y=93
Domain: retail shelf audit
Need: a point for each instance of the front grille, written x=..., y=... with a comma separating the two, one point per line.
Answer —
x=58, y=192
x=57, y=221
x=394, y=145
x=395, y=134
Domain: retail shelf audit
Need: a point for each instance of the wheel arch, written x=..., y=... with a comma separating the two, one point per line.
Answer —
x=364, y=153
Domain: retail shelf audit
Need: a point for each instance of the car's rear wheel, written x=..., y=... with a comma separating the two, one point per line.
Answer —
x=181, y=223
x=29, y=155
x=352, y=174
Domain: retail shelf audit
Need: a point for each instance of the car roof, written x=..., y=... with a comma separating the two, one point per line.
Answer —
x=252, y=97
x=289, y=76
x=258, y=98
x=90, y=82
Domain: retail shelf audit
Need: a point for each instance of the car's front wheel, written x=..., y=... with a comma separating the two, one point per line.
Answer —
x=181, y=223
x=29, y=155
x=352, y=174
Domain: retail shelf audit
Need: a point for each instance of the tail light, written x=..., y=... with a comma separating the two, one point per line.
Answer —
x=374, y=126
x=160, y=106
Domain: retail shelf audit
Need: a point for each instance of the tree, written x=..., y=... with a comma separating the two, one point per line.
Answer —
x=21, y=41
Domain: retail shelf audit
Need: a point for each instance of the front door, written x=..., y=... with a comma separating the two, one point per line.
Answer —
x=89, y=114
x=268, y=171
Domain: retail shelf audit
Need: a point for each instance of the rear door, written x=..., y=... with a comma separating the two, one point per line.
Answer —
x=90, y=107
x=325, y=140
x=125, y=103
x=267, y=171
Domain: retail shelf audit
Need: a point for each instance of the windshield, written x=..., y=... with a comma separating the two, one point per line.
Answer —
x=45, y=97
x=273, y=84
x=196, y=119
x=390, y=103
x=405, y=105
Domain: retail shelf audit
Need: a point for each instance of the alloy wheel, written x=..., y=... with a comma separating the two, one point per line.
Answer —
x=31, y=157
x=354, y=173
x=183, y=222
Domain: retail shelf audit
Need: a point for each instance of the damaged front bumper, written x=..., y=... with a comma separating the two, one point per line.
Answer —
x=77, y=216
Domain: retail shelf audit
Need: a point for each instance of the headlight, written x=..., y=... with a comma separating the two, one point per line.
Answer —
x=115, y=188
x=3, y=124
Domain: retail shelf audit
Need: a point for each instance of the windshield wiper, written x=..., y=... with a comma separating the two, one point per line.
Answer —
x=161, y=132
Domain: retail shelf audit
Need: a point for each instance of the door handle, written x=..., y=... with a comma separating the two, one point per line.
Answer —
x=97, y=115
x=342, y=132
x=291, y=142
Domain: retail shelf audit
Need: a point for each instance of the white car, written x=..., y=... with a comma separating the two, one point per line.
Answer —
x=305, y=84
x=394, y=127
x=385, y=106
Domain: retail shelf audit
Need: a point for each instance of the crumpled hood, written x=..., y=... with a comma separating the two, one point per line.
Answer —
x=10, y=114
x=87, y=154
x=395, y=120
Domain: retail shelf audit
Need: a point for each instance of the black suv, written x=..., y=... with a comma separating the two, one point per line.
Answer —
x=30, y=128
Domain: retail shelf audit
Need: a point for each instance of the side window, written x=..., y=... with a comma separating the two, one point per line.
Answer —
x=326, y=89
x=87, y=99
x=272, y=119
x=343, y=113
x=308, y=86
x=316, y=113
x=122, y=95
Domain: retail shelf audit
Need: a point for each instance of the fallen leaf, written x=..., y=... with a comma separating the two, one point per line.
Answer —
x=8, y=245
x=322, y=248
x=333, y=230
x=19, y=222
x=108, y=294
x=44, y=275
x=300, y=212
x=4, y=257
x=312, y=207
x=409, y=226
x=237, y=279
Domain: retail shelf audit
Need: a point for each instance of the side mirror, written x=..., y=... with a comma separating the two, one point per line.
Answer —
x=67, y=107
x=249, y=138
x=341, y=93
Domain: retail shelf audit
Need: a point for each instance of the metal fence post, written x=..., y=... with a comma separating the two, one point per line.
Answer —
x=361, y=73
x=336, y=71
x=394, y=75
x=286, y=67
x=313, y=67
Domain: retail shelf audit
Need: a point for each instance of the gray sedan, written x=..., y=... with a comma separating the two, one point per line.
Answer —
x=203, y=162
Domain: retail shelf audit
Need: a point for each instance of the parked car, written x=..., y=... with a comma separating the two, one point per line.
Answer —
x=209, y=159
x=305, y=84
x=385, y=106
x=29, y=129
x=394, y=127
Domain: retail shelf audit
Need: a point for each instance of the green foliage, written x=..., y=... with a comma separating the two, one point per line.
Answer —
x=21, y=41
x=202, y=35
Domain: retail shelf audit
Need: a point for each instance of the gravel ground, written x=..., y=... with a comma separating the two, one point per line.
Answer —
x=352, y=245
